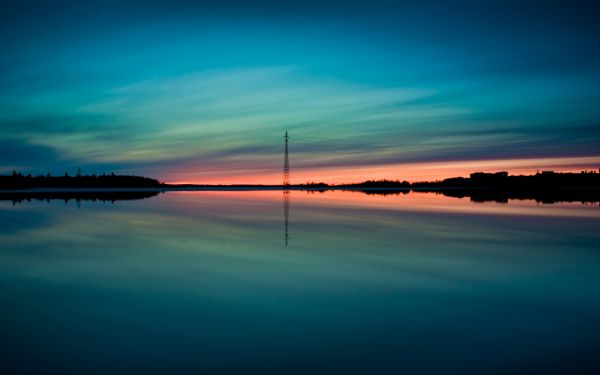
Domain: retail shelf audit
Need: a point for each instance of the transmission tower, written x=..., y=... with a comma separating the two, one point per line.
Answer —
x=286, y=164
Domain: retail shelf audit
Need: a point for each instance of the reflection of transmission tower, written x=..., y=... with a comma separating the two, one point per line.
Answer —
x=286, y=164
x=286, y=213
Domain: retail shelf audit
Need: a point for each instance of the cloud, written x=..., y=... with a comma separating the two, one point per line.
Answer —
x=232, y=121
x=208, y=112
x=16, y=154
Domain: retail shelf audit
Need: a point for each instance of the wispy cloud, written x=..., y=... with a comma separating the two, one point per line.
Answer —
x=229, y=123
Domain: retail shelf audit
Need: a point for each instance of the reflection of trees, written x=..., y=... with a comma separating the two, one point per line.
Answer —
x=286, y=213
x=78, y=196
x=386, y=192
x=501, y=195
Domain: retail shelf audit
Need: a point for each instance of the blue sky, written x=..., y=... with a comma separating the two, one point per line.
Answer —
x=187, y=91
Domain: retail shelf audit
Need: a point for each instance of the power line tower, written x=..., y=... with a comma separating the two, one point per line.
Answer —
x=286, y=164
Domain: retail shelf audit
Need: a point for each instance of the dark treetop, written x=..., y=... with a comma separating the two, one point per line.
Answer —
x=17, y=181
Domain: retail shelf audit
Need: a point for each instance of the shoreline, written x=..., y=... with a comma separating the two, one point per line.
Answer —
x=295, y=188
x=556, y=195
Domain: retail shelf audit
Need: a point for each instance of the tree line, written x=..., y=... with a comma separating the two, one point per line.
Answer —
x=20, y=181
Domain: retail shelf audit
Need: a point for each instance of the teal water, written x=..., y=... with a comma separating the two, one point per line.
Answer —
x=204, y=282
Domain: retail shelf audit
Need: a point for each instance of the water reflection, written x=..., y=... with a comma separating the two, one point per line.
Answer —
x=584, y=196
x=384, y=284
x=550, y=196
x=286, y=213
x=105, y=195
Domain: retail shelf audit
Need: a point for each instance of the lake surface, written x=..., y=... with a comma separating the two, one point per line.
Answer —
x=204, y=282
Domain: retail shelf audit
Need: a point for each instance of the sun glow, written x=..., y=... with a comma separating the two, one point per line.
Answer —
x=410, y=171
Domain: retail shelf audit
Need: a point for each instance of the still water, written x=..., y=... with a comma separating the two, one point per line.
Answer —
x=270, y=282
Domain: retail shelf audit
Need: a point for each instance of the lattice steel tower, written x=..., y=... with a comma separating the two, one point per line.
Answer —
x=286, y=164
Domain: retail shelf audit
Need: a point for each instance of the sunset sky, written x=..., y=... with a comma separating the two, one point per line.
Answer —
x=187, y=92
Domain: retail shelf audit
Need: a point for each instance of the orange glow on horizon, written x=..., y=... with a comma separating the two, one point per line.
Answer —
x=426, y=171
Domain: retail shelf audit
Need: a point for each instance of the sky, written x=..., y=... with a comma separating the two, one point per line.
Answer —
x=196, y=92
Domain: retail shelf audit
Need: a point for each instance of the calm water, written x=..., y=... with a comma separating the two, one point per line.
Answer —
x=203, y=282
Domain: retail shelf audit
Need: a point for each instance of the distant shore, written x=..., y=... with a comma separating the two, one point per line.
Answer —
x=578, y=195
x=547, y=186
x=204, y=188
x=500, y=181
